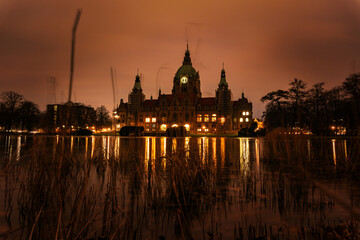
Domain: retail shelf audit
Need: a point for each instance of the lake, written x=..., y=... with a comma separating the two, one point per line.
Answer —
x=110, y=187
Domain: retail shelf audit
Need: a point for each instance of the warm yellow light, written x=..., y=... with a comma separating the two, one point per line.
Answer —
x=213, y=118
x=247, y=119
x=187, y=126
x=247, y=113
x=241, y=119
x=153, y=120
x=243, y=113
x=116, y=116
x=174, y=125
x=199, y=118
x=147, y=120
x=206, y=118
x=333, y=127
x=222, y=119
x=203, y=127
x=163, y=127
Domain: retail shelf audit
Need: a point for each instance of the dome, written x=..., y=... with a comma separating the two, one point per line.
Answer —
x=187, y=70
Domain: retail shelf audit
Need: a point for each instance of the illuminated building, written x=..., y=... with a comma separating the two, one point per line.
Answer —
x=80, y=116
x=185, y=106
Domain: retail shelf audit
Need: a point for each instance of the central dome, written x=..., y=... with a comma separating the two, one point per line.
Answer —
x=186, y=69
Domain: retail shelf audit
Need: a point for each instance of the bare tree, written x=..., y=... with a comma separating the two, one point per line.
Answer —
x=11, y=103
x=297, y=93
x=29, y=115
x=102, y=117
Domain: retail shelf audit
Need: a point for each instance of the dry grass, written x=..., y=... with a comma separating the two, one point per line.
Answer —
x=57, y=193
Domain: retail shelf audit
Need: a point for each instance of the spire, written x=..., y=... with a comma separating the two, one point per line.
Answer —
x=137, y=84
x=187, y=59
x=223, y=77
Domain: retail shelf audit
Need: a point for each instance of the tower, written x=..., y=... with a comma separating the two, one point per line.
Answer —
x=187, y=80
x=223, y=96
x=136, y=99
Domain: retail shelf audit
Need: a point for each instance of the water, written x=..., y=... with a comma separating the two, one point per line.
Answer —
x=184, y=188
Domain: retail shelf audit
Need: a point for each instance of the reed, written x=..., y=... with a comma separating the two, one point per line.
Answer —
x=181, y=194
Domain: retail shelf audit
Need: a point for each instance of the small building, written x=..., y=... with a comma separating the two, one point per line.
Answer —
x=75, y=115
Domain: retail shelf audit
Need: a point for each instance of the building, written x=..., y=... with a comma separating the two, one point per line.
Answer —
x=80, y=117
x=185, y=106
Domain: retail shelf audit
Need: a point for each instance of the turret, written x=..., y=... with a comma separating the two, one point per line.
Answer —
x=223, y=95
x=136, y=97
x=186, y=78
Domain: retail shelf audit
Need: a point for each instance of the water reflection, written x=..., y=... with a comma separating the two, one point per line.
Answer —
x=18, y=148
x=333, y=141
x=180, y=187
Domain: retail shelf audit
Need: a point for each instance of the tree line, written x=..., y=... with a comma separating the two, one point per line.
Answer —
x=316, y=109
x=16, y=112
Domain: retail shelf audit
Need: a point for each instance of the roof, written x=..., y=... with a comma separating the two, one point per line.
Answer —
x=223, y=78
x=137, y=84
x=150, y=103
x=209, y=101
x=186, y=69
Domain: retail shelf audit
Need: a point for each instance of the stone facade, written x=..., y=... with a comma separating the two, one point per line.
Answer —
x=185, y=106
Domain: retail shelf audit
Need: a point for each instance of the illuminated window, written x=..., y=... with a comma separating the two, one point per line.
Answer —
x=147, y=120
x=247, y=119
x=235, y=119
x=153, y=119
x=206, y=118
x=222, y=120
x=241, y=119
x=153, y=125
x=163, y=127
x=247, y=113
x=199, y=129
x=213, y=118
x=199, y=118
x=243, y=113
x=187, y=126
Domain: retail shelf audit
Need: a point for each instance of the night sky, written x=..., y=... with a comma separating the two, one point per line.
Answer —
x=264, y=44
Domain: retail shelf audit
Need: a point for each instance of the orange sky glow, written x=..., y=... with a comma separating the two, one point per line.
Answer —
x=263, y=44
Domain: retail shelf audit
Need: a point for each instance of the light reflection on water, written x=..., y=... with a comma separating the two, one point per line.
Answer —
x=333, y=141
x=245, y=187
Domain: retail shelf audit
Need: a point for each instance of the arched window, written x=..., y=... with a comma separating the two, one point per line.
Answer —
x=213, y=118
x=206, y=118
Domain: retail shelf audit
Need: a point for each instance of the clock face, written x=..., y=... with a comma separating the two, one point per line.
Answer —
x=184, y=80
